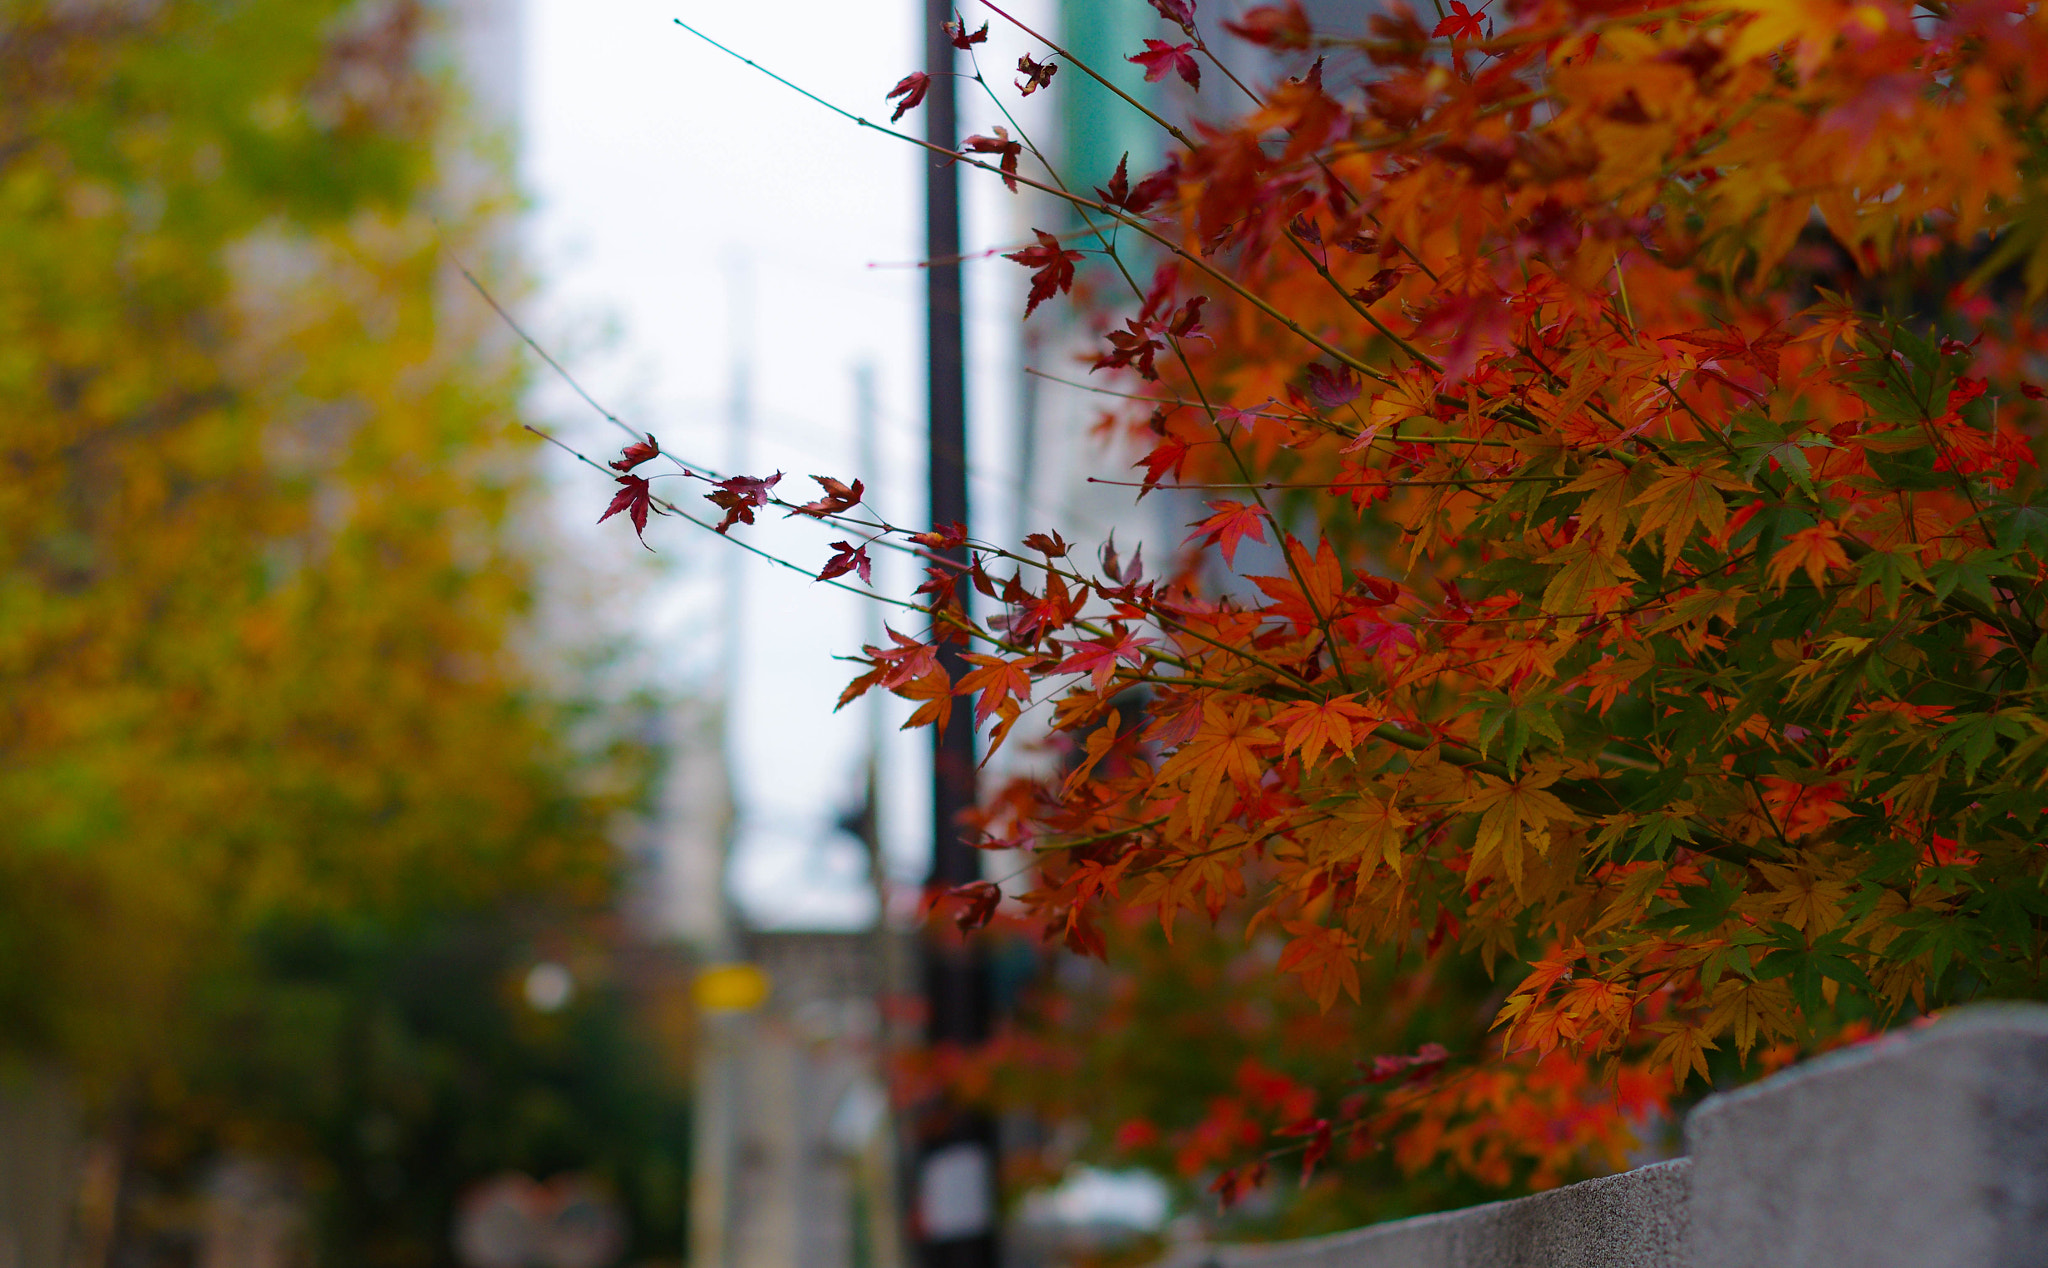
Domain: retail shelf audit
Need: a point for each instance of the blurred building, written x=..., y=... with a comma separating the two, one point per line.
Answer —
x=795, y=1157
x=1058, y=448
x=681, y=897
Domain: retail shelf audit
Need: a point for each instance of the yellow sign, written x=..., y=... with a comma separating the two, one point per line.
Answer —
x=731, y=988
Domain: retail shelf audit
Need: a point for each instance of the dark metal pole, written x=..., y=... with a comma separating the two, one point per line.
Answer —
x=954, y=862
x=956, y=1171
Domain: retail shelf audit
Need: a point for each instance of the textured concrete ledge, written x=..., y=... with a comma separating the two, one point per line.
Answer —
x=1633, y=1220
x=1924, y=1149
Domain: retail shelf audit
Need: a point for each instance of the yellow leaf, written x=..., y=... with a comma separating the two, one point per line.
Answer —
x=1683, y=1049
x=1514, y=818
x=1612, y=484
x=1368, y=830
x=1749, y=1010
x=1591, y=566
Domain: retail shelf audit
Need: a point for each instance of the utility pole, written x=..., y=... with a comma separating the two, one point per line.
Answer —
x=955, y=1214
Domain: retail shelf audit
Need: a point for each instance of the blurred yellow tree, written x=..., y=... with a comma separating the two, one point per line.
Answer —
x=257, y=586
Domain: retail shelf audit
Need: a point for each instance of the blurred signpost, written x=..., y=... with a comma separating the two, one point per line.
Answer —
x=794, y=1159
x=724, y=994
x=731, y=988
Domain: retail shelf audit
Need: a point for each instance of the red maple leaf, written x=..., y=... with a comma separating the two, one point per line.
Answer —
x=1098, y=659
x=636, y=453
x=978, y=900
x=1319, y=1139
x=907, y=661
x=1167, y=458
x=1036, y=74
x=1462, y=23
x=1428, y=1059
x=1052, y=547
x=1115, y=570
x=944, y=537
x=635, y=499
x=1179, y=12
x=1000, y=144
x=849, y=558
x=1231, y=524
x=1161, y=59
x=1132, y=348
x=1282, y=26
x=1377, y=286
x=956, y=31
x=1154, y=187
x=1055, y=268
x=997, y=680
x=1139, y=199
x=1332, y=389
x=1760, y=353
x=1236, y=1182
x=1040, y=614
x=1119, y=191
x=739, y=495
x=838, y=497
x=911, y=88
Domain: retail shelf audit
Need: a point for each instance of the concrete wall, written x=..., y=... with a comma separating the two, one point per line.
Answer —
x=1926, y=1149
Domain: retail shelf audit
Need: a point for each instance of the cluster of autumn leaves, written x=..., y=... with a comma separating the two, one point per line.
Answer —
x=1630, y=407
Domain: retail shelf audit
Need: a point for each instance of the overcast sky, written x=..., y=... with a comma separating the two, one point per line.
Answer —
x=691, y=213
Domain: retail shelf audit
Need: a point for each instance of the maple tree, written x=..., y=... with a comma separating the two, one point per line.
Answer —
x=1626, y=406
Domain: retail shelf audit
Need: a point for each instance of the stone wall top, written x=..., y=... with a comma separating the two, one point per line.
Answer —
x=1924, y=1148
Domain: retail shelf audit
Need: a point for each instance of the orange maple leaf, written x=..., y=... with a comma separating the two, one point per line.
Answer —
x=997, y=680
x=1231, y=524
x=936, y=691
x=1224, y=750
x=1835, y=321
x=1312, y=725
x=1319, y=593
x=1325, y=959
x=1683, y=1049
x=1681, y=498
x=1814, y=549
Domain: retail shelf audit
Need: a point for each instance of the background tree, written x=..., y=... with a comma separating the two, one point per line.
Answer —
x=258, y=596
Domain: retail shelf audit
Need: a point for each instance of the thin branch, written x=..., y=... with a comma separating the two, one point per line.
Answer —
x=669, y=508
x=1339, y=484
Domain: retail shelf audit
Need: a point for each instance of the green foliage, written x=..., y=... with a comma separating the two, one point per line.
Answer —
x=405, y=1065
